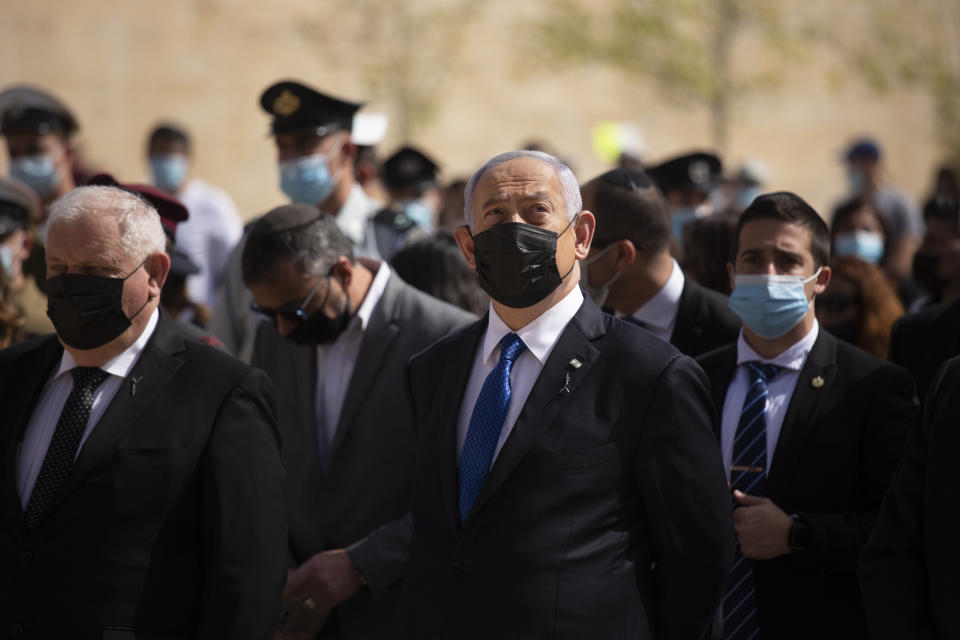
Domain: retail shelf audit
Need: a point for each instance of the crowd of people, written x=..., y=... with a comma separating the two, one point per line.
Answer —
x=660, y=402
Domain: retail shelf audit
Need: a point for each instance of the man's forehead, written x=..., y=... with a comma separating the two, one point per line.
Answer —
x=527, y=176
x=771, y=233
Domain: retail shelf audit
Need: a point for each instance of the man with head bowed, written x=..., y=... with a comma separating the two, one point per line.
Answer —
x=567, y=483
x=140, y=477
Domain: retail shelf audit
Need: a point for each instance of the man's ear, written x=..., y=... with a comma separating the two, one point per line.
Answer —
x=342, y=270
x=465, y=242
x=626, y=254
x=822, y=281
x=158, y=268
x=586, y=225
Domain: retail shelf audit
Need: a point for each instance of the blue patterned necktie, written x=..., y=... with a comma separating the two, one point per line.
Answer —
x=486, y=422
x=58, y=460
x=748, y=473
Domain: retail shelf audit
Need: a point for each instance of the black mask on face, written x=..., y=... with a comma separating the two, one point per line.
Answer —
x=87, y=311
x=517, y=263
x=926, y=266
x=318, y=329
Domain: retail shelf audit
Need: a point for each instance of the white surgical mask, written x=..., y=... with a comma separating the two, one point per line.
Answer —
x=599, y=294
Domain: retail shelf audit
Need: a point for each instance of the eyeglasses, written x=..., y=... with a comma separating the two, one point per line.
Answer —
x=295, y=314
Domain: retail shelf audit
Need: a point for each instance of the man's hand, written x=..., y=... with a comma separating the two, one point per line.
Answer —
x=326, y=579
x=762, y=528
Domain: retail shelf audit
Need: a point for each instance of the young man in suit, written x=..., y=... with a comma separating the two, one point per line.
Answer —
x=910, y=567
x=141, y=487
x=631, y=271
x=811, y=429
x=343, y=331
x=568, y=484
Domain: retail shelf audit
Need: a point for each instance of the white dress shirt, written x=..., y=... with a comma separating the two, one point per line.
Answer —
x=659, y=313
x=355, y=219
x=779, y=392
x=43, y=422
x=208, y=236
x=540, y=337
x=337, y=360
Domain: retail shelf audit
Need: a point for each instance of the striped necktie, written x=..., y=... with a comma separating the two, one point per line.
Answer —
x=748, y=474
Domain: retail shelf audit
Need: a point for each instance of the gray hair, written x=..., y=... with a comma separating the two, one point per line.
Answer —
x=141, y=233
x=314, y=247
x=571, y=190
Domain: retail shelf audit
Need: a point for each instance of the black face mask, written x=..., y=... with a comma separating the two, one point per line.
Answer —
x=517, y=263
x=87, y=311
x=926, y=265
x=318, y=329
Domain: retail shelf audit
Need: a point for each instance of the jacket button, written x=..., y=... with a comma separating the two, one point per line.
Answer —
x=456, y=568
x=25, y=558
x=16, y=630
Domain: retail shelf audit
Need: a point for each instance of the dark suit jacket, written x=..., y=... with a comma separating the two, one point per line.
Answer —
x=605, y=515
x=910, y=568
x=838, y=446
x=704, y=321
x=171, y=522
x=367, y=483
x=921, y=342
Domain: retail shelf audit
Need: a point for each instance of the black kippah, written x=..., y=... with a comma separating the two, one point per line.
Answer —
x=628, y=178
x=285, y=218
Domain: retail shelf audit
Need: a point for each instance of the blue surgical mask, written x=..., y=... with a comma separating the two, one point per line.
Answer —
x=599, y=294
x=420, y=212
x=680, y=218
x=866, y=245
x=770, y=305
x=6, y=259
x=38, y=172
x=169, y=171
x=307, y=180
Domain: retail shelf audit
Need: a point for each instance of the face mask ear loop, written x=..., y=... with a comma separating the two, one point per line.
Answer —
x=149, y=297
x=570, y=270
x=814, y=276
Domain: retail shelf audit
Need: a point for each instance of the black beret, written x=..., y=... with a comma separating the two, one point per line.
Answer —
x=409, y=167
x=296, y=107
x=25, y=108
x=284, y=218
x=695, y=171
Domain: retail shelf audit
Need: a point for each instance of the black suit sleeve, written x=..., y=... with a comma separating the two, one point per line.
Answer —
x=680, y=473
x=893, y=574
x=244, y=517
x=381, y=557
x=888, y=417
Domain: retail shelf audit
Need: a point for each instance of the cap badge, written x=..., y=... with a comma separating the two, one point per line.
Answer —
x=286, y=104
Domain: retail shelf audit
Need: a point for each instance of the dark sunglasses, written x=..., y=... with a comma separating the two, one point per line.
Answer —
x=290, y=313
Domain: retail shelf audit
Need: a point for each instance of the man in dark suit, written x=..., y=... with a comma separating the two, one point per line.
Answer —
x=344, y=329
x=910, y=567
x=568, y=484
x=811, y=429
x=632, y=273
x=921, y=342
x=140, y=472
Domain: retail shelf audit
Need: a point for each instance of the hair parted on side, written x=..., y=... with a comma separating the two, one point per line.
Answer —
x=141, y=233
x=788, y=207
x=568, y=182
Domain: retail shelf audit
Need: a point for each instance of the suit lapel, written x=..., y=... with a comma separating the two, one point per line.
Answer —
x=153, y=370
x=20, y=394
x=380, y=333
x=688, y=325
x=456, y=368
x=814, y=383
x=720, y=373
x=554, y=388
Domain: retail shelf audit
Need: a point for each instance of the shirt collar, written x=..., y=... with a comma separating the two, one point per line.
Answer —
x=375, y=291
x=793, y=358
x=352, y=217
x=121, y=364
x=539, y=336
x=661, y=310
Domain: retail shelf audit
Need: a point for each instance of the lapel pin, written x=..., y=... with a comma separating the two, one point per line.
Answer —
x=576, y=364
x=817, y=382
x=566, y=383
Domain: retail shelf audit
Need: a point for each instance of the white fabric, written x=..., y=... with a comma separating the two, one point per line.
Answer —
x=43, y=422
x=208, y=236
x=337, y=360
x=779, y=391
x=355, y=220
x=540, y=336
x=659, y=313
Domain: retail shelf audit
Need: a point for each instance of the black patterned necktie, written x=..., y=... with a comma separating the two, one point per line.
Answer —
x=66, y=439
x=748, y=473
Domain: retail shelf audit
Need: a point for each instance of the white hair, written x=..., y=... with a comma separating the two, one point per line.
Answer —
x=141, y=233
x=571, y=190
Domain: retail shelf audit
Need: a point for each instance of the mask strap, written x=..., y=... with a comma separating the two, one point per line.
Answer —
x=814, y=276
x=135, y=269
x=575, y=218
x=149, y=297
